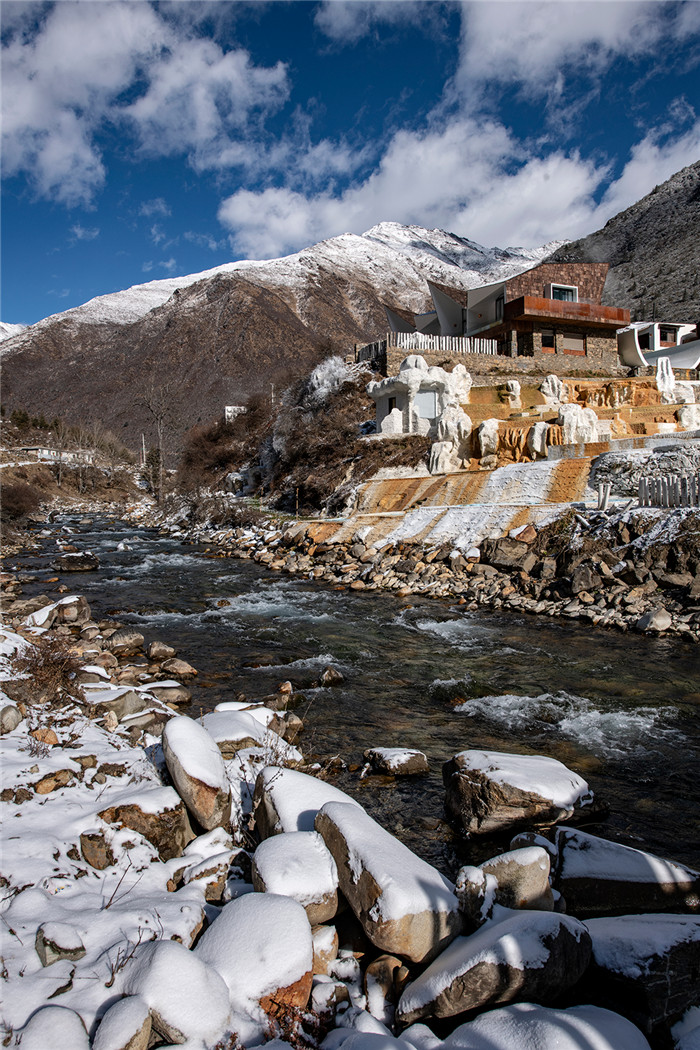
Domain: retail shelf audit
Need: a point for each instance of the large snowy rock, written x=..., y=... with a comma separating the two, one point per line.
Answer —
x=646, y=966
x=531, y=955
x=234, y=731
x=125, y=1026
x=261, y=945
x=397, y=761
x=489, y=791
x=156, y=813
x=598, y=877
x=186, y=997
x=517, y=879
x=525, y=1026
x=54, y=1027
x=198, y=772
x=287, y=800
x=73, y=609
x=405, y=906
x=298, y=865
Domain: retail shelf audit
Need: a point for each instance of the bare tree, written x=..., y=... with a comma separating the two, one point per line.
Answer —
x=157, y=400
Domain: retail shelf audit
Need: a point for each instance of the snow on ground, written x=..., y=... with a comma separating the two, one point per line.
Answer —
x=627, y=944
x=525, y=1026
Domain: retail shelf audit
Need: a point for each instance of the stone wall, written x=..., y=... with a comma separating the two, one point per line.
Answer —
x=589, y=278
x=601, y=357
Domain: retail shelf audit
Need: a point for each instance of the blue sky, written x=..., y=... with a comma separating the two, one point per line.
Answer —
x=145, y=140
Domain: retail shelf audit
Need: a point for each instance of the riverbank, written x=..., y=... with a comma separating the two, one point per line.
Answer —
x=111, y=858
x=630, y=569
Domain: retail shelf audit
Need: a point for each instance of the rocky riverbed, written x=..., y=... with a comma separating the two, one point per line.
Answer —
x=637, y=569
x=180, y=881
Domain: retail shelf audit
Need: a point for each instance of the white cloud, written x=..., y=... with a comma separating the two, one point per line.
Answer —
x=538, y=44
x=147, y=266
x=156, y=233
x=471, y=177
x=205, y=240
x=347, y=21
x=168, y=264
x=199, y=96
x=65, y=77
x=83, y=233
x=157, y=206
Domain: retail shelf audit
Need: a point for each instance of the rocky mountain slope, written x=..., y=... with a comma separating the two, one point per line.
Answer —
x=213, y=338
x=654, y=251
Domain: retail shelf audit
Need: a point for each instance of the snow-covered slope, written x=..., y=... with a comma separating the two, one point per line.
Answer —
x=8, y=330
x=396, y=259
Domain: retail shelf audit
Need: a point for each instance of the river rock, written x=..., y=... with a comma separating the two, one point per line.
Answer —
x=531, y=956
x=325, y=945
x=158, y=651
x=170, y=692
x=125, y=1026
x=646, y=966
x=158, y=814
x=179, y=668
x=80, y=561
x=405, y=906
x=379, y=984
x=287, y=800
x=120, y=700
x=187, y=999
x=198, y=772
x=56, y=941
x=397, y=761
x=656, y=621
x=298, y=865
x=56, y=1027
x=125, y=640
x=235, y=731
x=517, y=879
x=598, y=877
x=507, y=553
x=10, y=718
x=261, y=945
x=525, y=1026
x=489, y=791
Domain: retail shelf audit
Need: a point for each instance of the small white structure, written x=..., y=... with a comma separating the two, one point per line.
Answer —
x=642, y=343
x=232, y=412
x=413, y=401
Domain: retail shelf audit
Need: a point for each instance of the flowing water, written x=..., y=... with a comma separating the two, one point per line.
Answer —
x=621, y=709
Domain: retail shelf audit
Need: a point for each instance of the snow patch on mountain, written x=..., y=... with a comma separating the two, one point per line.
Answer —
x=8, y=330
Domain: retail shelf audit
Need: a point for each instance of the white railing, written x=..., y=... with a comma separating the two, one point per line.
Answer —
x=442, y=344
x=672, y=490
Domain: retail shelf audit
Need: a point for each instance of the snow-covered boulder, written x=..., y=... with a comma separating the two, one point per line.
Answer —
x=56, y=1027
x=58, y=940
x=298, y=865
x=10, y=715
x=397, y=761
x=525, y=1026
x=325, y=943
x=531, y=955
x=125, y=1026
x=125, y=640
x=198, y=772
x=235, y=731
x=287, y=800
x=156, y=813
x=261, y=945
x=186, y=997
x=405, y=906
x=76, y=561
x=517, y=879
x=647, y=966
x=598, y=877
x=489, y=791
x=73, y=609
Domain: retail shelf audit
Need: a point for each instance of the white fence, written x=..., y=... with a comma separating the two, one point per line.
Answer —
x=442, y=344
x=673, y=490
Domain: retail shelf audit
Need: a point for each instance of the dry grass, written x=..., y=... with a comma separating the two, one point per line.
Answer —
x=50, y=669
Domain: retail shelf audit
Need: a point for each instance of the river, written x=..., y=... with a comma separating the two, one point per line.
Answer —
x=621, y=709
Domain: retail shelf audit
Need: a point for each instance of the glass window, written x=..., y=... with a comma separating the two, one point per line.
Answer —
x=548, y=342
x=567, y=295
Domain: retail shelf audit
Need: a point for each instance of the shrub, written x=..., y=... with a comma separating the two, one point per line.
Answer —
x=18, y=500
x=51, y=668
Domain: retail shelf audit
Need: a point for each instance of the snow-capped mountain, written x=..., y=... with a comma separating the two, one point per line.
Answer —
x=8, y=330
x=398, y=259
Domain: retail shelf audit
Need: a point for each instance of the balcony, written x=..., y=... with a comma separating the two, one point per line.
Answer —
x=531, y=307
